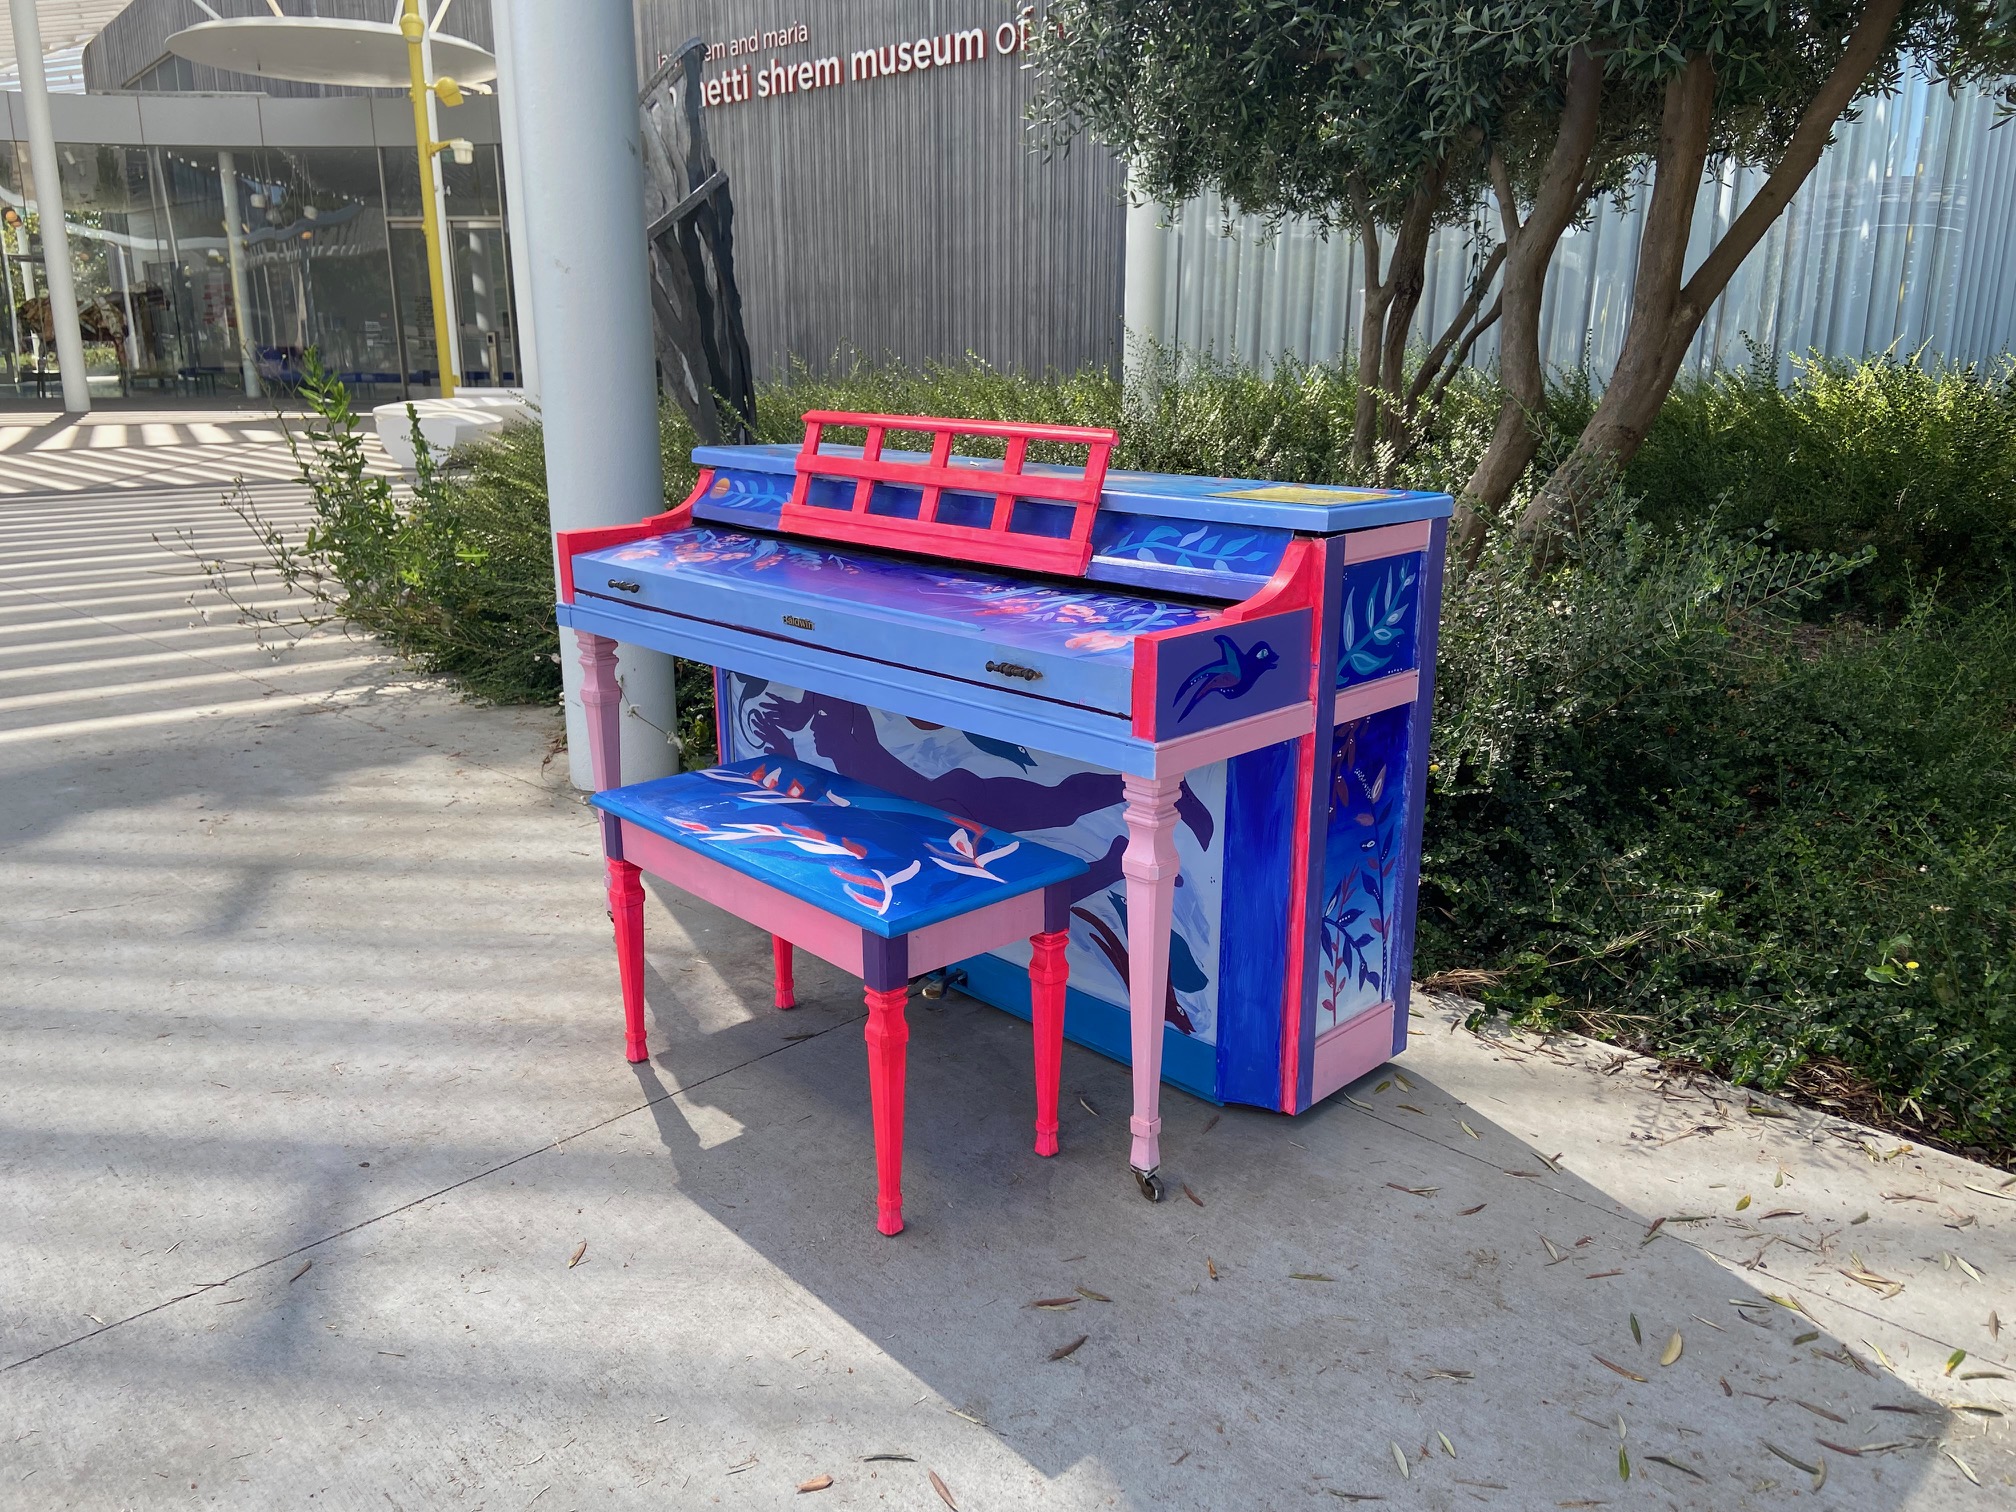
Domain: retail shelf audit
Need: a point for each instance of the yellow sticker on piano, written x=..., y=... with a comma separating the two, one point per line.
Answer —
x=1298, y=493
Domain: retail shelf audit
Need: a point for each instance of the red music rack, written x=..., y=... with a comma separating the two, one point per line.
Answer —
x=998, y=543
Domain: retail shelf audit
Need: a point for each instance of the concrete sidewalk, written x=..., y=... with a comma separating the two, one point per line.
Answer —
x=313, y=1088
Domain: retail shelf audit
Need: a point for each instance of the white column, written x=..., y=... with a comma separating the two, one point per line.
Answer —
x=581, y=160
x=451, y=360
x=1147, y=268
x=518, y=225
x=49, y=205
x=234, y=240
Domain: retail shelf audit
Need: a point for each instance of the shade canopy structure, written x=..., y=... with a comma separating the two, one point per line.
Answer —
x=310, y=50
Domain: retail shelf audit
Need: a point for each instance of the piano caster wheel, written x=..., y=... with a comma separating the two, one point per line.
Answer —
x=1150, y=1183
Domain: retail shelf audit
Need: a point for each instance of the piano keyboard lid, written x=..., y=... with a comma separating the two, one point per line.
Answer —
x=1217, y=538
x=727, y=574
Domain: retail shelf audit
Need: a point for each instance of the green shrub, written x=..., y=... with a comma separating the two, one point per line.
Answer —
x=1665, y=810
x=1914, y=460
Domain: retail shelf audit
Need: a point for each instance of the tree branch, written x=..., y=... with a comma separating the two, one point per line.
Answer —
x=1431, y=365
x=1816, y=126
x=1463, y=352
x=1508, y=198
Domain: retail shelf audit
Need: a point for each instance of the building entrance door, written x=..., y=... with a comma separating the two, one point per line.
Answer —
x=480, y=265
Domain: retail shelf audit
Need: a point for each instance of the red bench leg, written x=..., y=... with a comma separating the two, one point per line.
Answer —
x=626, y=907
x=888, y=1041
x=1047, y=975
x=780, y=958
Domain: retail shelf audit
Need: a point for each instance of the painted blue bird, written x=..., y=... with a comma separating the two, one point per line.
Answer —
x=1232, y=674
x=1006, y=750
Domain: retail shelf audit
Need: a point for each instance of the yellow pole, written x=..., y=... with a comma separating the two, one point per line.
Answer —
x=412, y=27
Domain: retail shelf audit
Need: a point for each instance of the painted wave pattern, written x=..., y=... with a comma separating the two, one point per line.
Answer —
x=1036, y=795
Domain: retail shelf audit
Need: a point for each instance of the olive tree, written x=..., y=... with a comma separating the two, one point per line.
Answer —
x=1368, y=114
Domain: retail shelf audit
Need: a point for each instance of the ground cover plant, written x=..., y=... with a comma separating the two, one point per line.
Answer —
x=1729, y=781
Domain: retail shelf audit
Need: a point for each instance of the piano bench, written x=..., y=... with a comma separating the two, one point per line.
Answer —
x=880, y=886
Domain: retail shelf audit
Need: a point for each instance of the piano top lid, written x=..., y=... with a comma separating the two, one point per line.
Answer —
x=1312, y=509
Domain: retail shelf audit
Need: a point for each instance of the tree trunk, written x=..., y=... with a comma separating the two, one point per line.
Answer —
x=1406, y=279
x=1665, y=313
x=1529, y=248
x=1365, y=415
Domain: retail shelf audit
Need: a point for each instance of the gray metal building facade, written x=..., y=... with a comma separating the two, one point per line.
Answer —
x=909, y=216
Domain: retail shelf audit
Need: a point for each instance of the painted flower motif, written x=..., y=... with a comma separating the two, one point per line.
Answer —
x=967, y=859
x=811, y=841
x=1097, y=640
x=883, y=883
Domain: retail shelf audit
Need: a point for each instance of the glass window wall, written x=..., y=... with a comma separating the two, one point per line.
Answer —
x=193, y=264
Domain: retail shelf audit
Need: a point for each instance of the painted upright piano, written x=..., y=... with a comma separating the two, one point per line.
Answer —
x=1216, y=691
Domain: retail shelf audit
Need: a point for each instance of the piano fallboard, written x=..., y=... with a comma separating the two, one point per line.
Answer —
x=1028, y=639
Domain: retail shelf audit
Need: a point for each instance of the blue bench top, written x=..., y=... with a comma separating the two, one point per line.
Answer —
x=885, y=863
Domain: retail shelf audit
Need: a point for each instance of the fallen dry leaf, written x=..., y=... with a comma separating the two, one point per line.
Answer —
x=1096, y=1114
x=306, y=1266
x=1400, y=1460
x=1472, y=1212
x=1673, y=1464
x=1414, y=1191
x=1064, y=1352
x=1412, y=1109
x=1467, y=1129
x=944, y=1491
x=817, y=1483
x=1623, y=1463
x=1672, y=1350
x=1055, y=1304
x=1832, y=1417
x=1210, y=1123
x=1795, y=1463
x=1309, y=1276
x=1447, y=1447
x=1838, y=1448
x=1629, y=1375
x=1994, y=1325
x=1599, y=1275
x=575, y=1258
x=1953, y=1361
x=1211, y=1266
x=1191, y=1195
x=1965, y=1468
x=1742, y=1202
x=1091, y=1296
x=1637, y=1333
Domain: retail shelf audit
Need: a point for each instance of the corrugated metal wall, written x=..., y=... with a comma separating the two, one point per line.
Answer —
x=1904, y=235
x=907, y=217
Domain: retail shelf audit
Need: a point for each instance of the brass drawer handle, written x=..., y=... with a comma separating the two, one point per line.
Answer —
x=625, y=586
x=1010, y=669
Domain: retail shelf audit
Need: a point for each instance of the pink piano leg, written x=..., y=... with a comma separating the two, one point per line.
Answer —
x=626, y=907
x=1047, y=976
x=780, y=958
x=1150, y=866
x=888, y=1039
x=602, y=700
